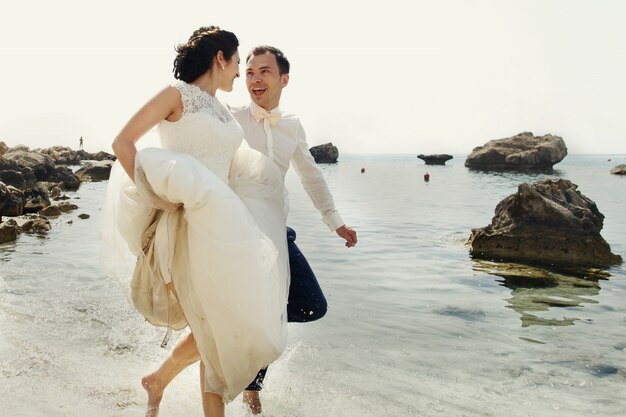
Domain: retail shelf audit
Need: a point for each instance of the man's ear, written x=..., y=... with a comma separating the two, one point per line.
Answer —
x=284, y=80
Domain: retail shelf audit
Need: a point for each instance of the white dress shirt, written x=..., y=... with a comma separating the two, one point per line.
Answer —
x=288, y=144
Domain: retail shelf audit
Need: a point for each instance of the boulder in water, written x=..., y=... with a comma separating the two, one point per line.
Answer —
x=436, y=159
x=546, y=222
x=520, y=152
x=325, y=154
x=619, y=170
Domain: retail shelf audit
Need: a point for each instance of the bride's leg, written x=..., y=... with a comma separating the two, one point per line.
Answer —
x=184, y=354
x=212, y=404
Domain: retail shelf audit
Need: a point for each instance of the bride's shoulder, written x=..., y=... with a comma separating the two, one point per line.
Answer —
x=183, y=88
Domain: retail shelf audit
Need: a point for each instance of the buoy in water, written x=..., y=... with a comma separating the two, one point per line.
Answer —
x=427, y=177
x=362, y=170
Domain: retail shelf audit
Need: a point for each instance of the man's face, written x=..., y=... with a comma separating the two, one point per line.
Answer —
x=263, y=81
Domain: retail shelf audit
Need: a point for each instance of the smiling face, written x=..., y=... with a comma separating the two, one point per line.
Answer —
x=229, y=73
x=263, y=80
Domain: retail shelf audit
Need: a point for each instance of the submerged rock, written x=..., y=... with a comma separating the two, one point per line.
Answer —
x=325, y=154
x=546, y=222
x=437, y=159
x=520, y=152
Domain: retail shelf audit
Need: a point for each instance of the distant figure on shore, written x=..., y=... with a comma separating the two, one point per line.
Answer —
x=362, y=170
x=427, y=177
x=80, y=143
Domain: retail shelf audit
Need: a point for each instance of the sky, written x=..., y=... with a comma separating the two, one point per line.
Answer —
x=372, y=77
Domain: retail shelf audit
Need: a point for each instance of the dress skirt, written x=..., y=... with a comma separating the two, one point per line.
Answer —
x=222, y=245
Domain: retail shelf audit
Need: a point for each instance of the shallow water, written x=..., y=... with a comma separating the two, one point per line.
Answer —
x=415, y=326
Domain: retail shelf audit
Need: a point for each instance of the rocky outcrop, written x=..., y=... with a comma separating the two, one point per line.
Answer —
x=95, y=171
x=619, y=170
x=546, y=222
x=521, y=152
x=35, y=166
x=437, y=159
x=325, y=154
x=64, y=155
x=30, y=178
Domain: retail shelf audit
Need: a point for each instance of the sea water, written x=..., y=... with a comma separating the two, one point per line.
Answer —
x=415, y=326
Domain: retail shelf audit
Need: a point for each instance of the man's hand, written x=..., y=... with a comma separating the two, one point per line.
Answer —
x=348, y=234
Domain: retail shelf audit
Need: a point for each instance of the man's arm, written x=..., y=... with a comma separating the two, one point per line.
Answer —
x=316, y=187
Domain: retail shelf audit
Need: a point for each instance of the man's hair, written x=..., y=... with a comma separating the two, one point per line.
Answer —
x=281, y=59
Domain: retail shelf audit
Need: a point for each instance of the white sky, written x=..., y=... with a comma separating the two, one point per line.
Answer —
x=392, y=76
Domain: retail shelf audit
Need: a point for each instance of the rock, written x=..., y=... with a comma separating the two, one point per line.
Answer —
x=546, y=222
x=11, y=201
x=83, y=216
x=64, y=155
x=14, y=178
x=95, y=171
x=9, y=231
x=98, y=156
x=36, y=198
x=66, y=207
x=36, y=224
x=61, y=155
x=66, y=177
x=325, y=154
x=50, y=211
x=21, y=148
x=521, y=152
x=3, y=148
x=55, y=192
x=4, y=195
x=41, y=167
x=619, y=170
x=11, y=173
x=437, y=159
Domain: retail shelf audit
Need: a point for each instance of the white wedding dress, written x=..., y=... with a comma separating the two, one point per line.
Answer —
x=231, y=244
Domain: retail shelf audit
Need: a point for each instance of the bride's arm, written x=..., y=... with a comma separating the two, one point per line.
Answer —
x=167, y=104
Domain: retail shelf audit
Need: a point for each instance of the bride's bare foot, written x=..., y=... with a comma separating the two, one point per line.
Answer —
x=252, y=400
x=155, y=394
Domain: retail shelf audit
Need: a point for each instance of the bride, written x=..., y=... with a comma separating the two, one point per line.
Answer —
x=214, y=207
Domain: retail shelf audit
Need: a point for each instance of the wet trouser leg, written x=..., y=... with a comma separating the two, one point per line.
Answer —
x=306, y=300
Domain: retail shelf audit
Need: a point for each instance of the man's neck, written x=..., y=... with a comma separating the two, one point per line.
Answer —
x=268, y=108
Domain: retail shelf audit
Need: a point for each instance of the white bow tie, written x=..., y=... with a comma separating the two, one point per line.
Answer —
x=259, y=113
x=269, y=119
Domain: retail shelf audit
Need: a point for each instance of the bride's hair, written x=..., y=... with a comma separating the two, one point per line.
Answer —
x=195, y=57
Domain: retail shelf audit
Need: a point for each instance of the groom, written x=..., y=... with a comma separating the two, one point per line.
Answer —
x=281, y=137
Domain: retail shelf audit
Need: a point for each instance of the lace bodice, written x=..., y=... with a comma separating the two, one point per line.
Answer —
x=206, y=130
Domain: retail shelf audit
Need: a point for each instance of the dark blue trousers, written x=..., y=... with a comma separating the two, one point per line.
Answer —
x=306, y=301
